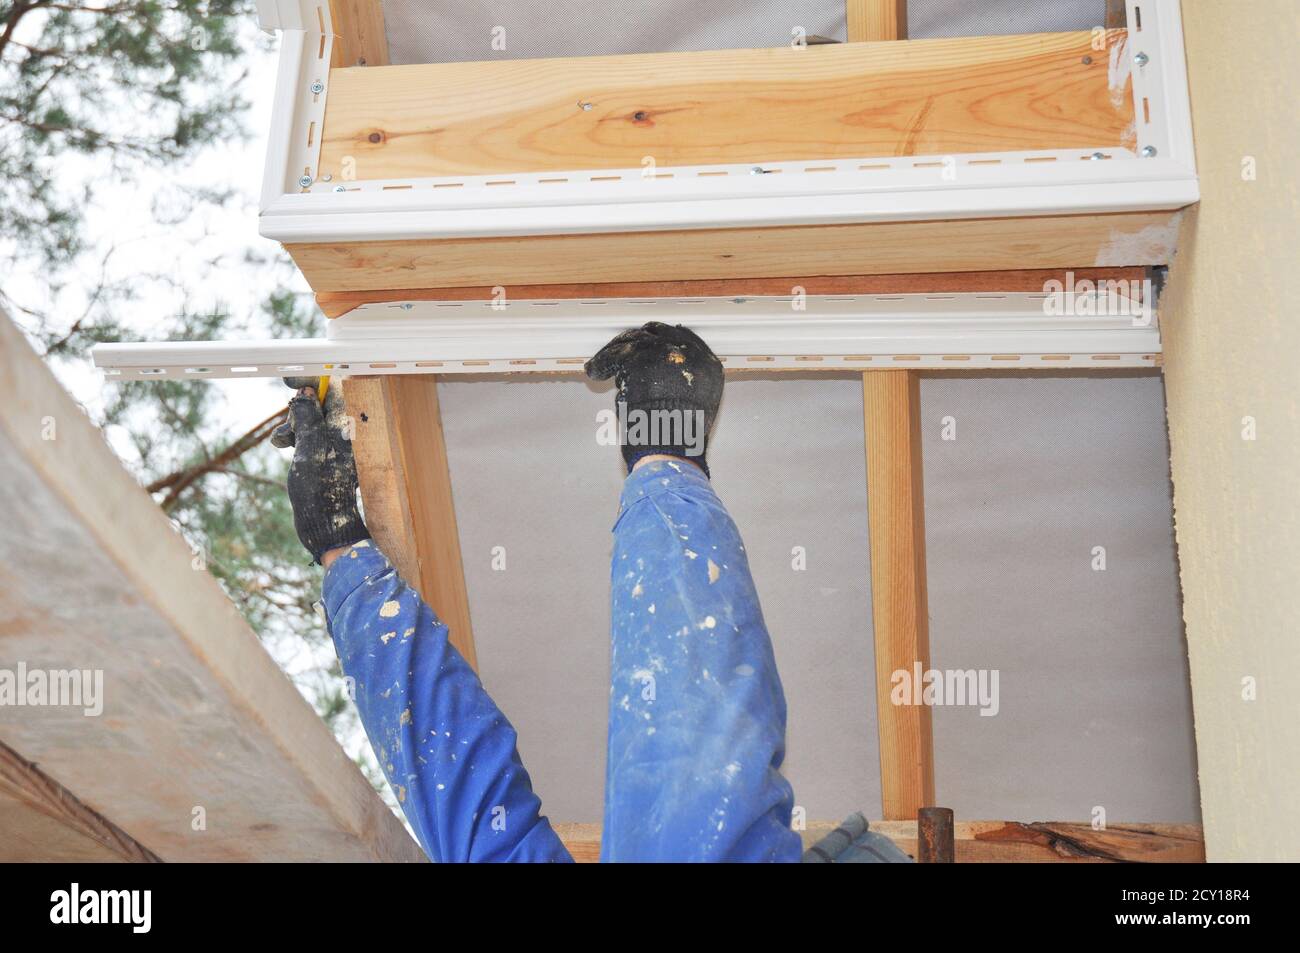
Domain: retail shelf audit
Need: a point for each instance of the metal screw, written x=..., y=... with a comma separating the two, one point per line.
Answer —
x=339, y=188
x=407, y=306
x=1141, y=59
x=584, y=106
x=305, y=181
x=1148, y=152
x=1097, y=155
x=758, y=170
x=1087, y=60
x=318, y=87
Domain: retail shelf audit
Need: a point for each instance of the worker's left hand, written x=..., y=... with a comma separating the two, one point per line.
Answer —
x=323, y=475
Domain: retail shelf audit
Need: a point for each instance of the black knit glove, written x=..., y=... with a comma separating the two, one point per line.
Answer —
x=671, y=384
x=323, y=475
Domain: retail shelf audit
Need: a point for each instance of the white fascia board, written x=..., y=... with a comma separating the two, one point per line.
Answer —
x=832, y=332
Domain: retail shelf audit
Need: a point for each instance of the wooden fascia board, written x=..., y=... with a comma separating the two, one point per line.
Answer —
x=990, y=244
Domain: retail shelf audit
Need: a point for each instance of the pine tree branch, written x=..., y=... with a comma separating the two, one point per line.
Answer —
x=177, y=483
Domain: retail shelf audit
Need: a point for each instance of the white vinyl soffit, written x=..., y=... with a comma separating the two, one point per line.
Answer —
x=826, y=332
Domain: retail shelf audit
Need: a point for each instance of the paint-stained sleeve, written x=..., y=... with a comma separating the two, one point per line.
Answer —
x=446, y=749
x=696, y=710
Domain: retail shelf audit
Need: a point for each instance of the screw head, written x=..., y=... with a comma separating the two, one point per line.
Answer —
x=757, y=170
x=318, y=87
x=339, y=188
x=1096, y=155
x=1141, y=59
x=1148, y=152
x=584, y=106
x=1087, y=61
x=305, y=181
x=407, y=306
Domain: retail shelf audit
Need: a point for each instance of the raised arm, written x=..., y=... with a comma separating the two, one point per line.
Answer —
x=446, y=749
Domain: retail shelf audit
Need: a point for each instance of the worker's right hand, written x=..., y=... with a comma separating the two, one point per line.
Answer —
x=323, y=476
x=665, y=370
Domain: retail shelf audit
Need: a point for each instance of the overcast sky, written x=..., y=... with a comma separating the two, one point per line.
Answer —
x=126, y=215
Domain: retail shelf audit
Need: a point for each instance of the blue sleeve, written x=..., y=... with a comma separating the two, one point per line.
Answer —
x=446, y=749
x=696, y=710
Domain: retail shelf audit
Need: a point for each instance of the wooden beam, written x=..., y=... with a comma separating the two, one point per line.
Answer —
x=876, y=20
x=838, y=101
x=335, y=303
x=406, y=488
x=900, y=616
x=203, y=749
x=359, y=35
x=988, y=244
x=997, y=841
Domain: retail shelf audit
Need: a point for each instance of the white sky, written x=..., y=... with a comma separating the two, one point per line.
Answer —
x=123, y=215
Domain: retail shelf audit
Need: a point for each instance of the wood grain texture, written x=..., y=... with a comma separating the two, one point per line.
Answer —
x=359, y=35
x=876, y=20
x=401, y=459
x=336, y=303
x=903, y=98
x=899, y=607
x=42, y=821
x=997, y=841
x=196, y=714
x=883, y=248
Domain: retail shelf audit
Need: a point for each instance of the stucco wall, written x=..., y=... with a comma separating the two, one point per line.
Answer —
x=1232, y=351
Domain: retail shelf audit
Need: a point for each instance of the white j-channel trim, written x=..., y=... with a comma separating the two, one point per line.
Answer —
x=737, y=196
x=830, y=332
x=1161, y=104
x=301, y=87
x=625, y=201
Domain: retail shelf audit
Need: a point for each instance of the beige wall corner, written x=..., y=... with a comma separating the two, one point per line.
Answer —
x=1232, y=362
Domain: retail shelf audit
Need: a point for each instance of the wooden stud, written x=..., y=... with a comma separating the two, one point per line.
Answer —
x=896, y=510
x=336, y=303
x=401, y=459
x=881, y=248
x=840, y=101
x=359, y=35
x=876, y=20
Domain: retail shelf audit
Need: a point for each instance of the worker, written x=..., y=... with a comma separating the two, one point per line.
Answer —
x=696, y=710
